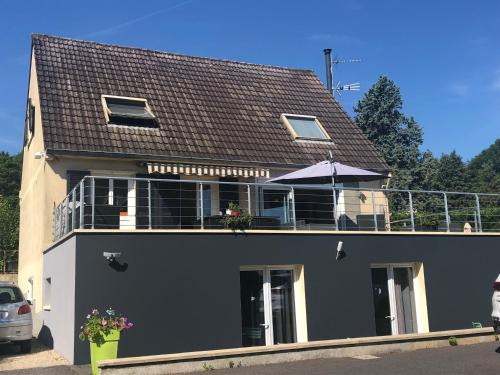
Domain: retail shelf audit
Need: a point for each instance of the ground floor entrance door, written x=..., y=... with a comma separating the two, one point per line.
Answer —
x=267, y=306
x=394, y=299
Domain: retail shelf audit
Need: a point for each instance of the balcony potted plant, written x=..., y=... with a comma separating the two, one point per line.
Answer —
x=235, y=218
x=103, y=332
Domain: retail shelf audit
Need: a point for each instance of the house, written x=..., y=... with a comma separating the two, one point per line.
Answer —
x=139, y=153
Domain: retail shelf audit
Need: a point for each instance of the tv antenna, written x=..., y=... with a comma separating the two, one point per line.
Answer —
x=330, y=63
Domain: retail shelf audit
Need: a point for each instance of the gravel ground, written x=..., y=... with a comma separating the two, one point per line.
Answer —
x=41, y=360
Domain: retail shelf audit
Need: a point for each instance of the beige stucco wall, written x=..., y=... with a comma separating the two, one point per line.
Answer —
x=43, y=186
x=32, y=207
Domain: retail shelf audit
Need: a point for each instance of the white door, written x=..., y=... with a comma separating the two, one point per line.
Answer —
x=267, y=306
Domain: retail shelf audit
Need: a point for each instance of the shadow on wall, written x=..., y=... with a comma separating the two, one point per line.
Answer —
x=45, y=336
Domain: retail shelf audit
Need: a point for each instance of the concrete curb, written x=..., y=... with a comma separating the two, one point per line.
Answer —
x=252, y=356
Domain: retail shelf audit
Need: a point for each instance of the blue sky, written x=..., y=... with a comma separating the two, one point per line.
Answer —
x=444, y=55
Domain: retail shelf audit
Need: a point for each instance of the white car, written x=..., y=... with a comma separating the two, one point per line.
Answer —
x=16, y=323
x=495, y=314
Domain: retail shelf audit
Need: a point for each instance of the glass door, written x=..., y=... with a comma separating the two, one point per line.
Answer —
x=267, y=306
x=381, y=302
x=404, y=299
x=394, y=299
x=252, y=308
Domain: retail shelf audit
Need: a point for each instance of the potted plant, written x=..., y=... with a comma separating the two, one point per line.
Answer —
x=103, y=332
x=235, y=218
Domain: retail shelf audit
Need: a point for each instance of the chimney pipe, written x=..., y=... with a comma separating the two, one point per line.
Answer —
x=328, y=62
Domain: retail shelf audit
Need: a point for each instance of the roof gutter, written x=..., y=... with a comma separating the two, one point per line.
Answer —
x=174, y=158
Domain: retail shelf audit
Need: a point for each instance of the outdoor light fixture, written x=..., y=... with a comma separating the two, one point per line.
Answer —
x=340, y=253
x=111, y=256
x=113, y=263
x=40, y=155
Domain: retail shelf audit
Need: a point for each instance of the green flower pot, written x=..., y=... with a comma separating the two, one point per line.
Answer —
x=107, y=350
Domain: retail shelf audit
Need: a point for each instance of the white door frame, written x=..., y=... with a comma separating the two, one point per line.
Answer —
x=392, y=292
x=268, y=308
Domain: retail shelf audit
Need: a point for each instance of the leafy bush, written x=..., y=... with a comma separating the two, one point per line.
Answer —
x=453, y=341
x=236, y=218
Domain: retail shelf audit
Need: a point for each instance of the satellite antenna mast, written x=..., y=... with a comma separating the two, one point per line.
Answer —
x=330, y=63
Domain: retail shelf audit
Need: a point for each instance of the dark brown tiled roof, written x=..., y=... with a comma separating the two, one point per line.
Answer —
x=206, y=108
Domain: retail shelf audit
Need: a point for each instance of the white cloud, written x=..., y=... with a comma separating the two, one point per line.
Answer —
x=115, y=28
x=459, y=89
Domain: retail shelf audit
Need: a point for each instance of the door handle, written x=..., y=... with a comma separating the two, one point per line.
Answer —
x=266, y=326
x=390, y=317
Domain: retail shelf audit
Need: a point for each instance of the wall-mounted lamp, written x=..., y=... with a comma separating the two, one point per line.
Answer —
x=111, y=256
x=113, y=263
x=39, y=155
x=340, y=253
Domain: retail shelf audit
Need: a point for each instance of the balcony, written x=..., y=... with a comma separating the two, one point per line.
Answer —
x=113, y=203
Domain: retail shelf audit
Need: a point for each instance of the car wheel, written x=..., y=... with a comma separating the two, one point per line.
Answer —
x=25, y=346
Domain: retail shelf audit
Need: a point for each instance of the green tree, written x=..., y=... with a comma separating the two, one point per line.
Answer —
x=483, y=171
x=397, y=137
x=10, y=181
x=10, y=174
x=9, y=228
x=451, y=173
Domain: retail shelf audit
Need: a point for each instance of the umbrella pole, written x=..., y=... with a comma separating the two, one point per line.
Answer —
x=334, y=200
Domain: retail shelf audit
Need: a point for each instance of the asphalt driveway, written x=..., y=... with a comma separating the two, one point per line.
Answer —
x=478, y=359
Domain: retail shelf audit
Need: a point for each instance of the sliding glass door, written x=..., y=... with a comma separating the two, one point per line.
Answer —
x=267, y=306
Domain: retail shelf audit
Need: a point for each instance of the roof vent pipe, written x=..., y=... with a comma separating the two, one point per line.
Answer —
x=328, y=62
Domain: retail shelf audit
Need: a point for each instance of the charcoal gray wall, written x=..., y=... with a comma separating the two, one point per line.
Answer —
x=182, y=290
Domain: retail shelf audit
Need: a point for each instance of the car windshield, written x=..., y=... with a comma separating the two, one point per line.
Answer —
x=10, y=294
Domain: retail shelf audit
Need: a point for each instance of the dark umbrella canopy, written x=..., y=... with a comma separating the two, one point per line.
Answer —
x=323, y=172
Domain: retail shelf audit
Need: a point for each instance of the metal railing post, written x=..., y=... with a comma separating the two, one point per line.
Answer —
x=249, y=195
x=446, y=212
x=149, y=205
x=412, y=219
x=201, y=206
x=374, y=211
x=66, y=216
x=92, y=198
x=334, y=196
x=73, y=211
x=82, y=205
x=478, y=209
x=294, y=220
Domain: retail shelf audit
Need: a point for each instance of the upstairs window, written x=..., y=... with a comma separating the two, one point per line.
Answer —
x=128, y=111
x=305, y=127
x=30, y=121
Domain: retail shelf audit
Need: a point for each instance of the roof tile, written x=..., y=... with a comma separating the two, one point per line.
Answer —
x=205, y=108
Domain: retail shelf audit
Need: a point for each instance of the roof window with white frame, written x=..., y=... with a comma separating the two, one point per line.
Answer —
x=126, y=111
x=305, y=127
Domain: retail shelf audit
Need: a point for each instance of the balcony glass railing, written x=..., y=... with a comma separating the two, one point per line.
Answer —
x=143, y=203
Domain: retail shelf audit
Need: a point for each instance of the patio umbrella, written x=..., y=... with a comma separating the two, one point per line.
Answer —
x=326, y=172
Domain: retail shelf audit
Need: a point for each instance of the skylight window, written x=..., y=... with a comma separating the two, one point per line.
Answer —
x=128, y=111
x=305, y=127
